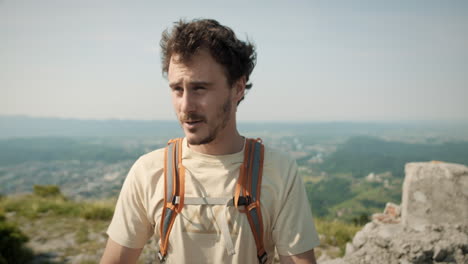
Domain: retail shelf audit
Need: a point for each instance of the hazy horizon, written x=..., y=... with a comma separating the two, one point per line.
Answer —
x=318, y=61
x=403, y=121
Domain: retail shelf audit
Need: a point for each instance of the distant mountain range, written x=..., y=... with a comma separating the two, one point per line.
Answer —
x=24, y=126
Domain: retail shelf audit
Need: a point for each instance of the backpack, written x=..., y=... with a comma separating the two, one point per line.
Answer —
x=246, y=194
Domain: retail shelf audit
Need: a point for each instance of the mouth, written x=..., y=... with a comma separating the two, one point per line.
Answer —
x=192, y=124
x=192, y=121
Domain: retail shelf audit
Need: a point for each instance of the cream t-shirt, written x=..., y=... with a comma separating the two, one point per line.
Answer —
x=196, y=236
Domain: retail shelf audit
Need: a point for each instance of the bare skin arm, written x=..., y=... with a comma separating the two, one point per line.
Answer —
x=116, y=254
x=307, y=257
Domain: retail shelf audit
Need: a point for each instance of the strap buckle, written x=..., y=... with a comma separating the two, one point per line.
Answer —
x=161, y=258
x=244, y=200
x=263, y=258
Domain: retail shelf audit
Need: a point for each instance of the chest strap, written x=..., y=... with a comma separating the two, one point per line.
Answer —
x=246, y=194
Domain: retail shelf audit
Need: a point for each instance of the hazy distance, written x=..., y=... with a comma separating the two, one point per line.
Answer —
x=317, y=60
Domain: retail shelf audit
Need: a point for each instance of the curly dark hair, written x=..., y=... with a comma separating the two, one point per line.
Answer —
x=186, y=38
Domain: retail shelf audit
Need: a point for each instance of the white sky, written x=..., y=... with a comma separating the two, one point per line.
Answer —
x=317, y=60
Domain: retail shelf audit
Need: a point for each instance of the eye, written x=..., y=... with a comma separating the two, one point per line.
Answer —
x=199, y=88
x=177, y=89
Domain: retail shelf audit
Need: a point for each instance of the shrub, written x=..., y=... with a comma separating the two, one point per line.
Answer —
x=362, y=219
x=58, y=207
x=47, y=191
x=12, y=240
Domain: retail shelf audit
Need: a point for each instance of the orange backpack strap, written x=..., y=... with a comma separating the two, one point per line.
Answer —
x=247, y=192
x=249, y=183
x=174, y=189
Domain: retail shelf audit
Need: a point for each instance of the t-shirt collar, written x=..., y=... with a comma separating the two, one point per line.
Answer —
x=188, y=153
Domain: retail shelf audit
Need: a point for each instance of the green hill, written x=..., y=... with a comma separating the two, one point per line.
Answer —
x=363, y=155
x=351, y=200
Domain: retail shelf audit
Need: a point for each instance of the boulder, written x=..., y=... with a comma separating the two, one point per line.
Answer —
x=391, y=214
x=431, y=228
x=434, y=193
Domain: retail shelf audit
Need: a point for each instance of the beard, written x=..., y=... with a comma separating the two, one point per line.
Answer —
x=222, y=118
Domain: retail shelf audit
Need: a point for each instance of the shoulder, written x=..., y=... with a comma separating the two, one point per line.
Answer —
x=153, y=159
x=147, y=167
x=279, y=168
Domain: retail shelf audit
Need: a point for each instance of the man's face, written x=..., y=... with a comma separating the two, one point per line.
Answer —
x=203, y=101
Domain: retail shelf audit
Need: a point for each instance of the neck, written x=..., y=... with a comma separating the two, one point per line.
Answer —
x=225, y=143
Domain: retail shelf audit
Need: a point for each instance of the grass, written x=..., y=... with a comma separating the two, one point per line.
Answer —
x=97, y=211
x=81, y=235
x=32, y=206
x=336, y=233
x=52, y=217
x=46, y=216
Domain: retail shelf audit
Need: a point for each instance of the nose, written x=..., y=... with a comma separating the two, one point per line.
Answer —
x=187, y=102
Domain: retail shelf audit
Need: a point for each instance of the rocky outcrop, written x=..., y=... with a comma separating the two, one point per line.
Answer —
x=431, y=228
x=394, y=243
x=435, y=193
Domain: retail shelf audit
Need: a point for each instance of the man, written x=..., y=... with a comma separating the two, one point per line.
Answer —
x=208, y=70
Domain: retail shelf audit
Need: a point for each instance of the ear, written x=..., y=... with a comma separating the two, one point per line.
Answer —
x=239, y=89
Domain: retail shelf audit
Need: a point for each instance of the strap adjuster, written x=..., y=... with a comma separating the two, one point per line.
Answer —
x=175, y=200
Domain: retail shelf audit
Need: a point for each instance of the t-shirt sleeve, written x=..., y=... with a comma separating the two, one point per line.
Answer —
x=130, y=226
x=294, y=229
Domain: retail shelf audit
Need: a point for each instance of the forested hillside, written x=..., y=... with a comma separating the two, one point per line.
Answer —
x=19, y=150
x=365, y=173
x=363, y=155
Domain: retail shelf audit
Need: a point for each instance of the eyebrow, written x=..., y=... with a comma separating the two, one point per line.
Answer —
x=194, y=83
